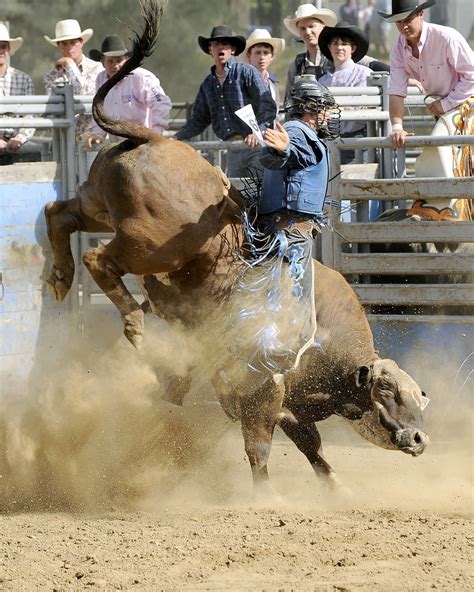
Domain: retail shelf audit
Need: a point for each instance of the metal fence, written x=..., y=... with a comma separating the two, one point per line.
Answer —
x=382, y=178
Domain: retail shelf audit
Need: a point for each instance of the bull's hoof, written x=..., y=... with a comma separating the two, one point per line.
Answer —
x=60, y=282
x=264, y=494
x=134, y=327
x=335, y=490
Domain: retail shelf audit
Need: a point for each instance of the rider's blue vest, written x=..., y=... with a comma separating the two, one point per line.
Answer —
x=302, y=190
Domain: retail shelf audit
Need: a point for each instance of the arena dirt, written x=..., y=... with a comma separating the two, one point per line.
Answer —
x=103, y=485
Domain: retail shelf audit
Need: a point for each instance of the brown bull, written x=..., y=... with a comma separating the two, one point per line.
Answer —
x=341, y=375
x=171, y=214
x=164, y=202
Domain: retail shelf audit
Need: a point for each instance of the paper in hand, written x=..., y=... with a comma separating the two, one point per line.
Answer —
x=247, y=115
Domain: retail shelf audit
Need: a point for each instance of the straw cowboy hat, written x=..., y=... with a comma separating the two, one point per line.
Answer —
x=69, y=29
x=112, y=46
x=305, y=11
x=263, y=36
x=222, y=33
x=15, y=43
x=343, y=29
x=402, y=9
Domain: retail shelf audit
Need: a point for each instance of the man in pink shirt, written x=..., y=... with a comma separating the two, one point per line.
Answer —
x=138, y=98
x=438, y=57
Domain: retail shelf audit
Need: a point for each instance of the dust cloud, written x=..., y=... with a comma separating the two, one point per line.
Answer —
x=92, y=431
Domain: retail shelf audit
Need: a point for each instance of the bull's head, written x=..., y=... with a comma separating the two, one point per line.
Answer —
x=395, y=421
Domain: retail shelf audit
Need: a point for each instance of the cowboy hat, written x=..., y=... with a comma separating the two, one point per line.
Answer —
x=222, y=33
x=259, y=36
x=402, y=9
x=305, y=11
x=112, y=46
x=343, y=29
x=15, y=43
x=69, y=29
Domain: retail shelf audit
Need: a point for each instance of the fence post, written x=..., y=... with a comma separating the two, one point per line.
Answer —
x=69, y=175
x=69, y=137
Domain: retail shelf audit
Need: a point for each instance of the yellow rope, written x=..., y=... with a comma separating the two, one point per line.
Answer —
x=464, y=124
x=462, y=155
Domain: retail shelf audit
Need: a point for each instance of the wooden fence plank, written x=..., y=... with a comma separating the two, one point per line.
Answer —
x=406, y=263
x=429, y=294
x=406, y=232
x=395, y=189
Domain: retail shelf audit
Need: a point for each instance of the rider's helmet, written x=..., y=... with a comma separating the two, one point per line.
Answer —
x=308, y=95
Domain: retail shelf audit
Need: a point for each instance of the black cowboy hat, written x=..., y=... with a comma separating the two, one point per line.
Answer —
x=222, y=33
x=343, y=29
x=112, y=46
x=402, y=9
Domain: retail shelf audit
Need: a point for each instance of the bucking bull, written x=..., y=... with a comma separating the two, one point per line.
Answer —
x=173, y=213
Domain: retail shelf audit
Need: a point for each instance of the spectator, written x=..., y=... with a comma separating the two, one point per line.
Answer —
x=230, y=86
x=15, y=143
x=307, y=24
x=344, y=45
x=138, y=98
x=261, y=51
x=73, y=66
x=349, y=12
x=438, y=57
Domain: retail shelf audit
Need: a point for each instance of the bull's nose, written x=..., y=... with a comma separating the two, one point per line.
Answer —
x=418, y=442
x=411, y=441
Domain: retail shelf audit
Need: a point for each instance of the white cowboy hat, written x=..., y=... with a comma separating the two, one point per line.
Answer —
x=69, y=29
x=304, y=11
x=263, y=36
x=15, y=43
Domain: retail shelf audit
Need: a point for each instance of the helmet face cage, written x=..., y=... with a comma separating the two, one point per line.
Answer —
x=309, y=96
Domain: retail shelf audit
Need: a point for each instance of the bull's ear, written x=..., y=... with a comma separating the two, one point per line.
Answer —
x=363, y=376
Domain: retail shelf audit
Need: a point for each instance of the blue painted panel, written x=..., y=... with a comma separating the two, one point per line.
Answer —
x=21, y=204
x=27, y=313
x=438, y=355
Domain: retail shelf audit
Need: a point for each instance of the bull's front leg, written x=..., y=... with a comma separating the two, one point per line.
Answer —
x=107, y=268
x=307, y=438
x=259, y=413
x=62, y=219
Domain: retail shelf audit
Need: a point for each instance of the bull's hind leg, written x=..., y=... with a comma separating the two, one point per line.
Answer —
x=62, y=219
x=308, y=440
x=107, y=272
x=259, y=413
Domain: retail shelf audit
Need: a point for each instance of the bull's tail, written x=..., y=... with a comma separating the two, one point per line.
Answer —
x=143, y=46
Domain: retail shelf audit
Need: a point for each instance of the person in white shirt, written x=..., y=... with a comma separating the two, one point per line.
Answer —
x=344, y=45
x=261, y=50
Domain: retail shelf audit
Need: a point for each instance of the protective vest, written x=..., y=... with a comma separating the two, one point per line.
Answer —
x=302, y=190
x=318, y=71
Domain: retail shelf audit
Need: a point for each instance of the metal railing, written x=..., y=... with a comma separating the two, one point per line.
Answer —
x=57, y=112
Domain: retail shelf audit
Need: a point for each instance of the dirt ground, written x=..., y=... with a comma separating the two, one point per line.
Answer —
x=102, y=486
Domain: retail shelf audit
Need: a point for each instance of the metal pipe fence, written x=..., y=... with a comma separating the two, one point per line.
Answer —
x=369, y=105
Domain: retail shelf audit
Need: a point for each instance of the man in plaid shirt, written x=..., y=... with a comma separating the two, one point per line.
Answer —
x=230, y=86
x=15, y=143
